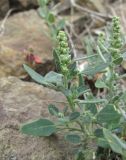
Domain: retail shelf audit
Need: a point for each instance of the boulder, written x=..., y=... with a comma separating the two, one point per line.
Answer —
x=21, y=102
x=23, y=31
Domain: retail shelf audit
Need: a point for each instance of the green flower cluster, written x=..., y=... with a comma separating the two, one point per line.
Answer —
x=115, y=40
x=63, y=52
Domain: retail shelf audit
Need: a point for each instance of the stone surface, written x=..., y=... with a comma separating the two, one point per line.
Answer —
x=23, y=30
x=4, y=7
x=21, y=102
x=26, y=3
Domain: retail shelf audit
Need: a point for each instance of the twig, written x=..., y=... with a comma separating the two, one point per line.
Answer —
x=71, y=16
x=87, y=28
x=2, y=26
x=84, y=58
x=122, y=76
x=90, y=12
x=71, y=29
x=74, y=32
x=61, y=6
x=71, y=43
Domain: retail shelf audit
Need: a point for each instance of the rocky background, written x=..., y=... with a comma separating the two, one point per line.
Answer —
x=22, y=28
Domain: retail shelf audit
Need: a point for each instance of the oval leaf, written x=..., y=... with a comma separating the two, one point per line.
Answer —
x=53, y=77
x=108, y=115
x=41, y=127
x=73, y=138
x=90, y=71
x=34, y=75
x=74, y=116
x=103, y=143
x=37, y=77
x=51, y=18
x=53, y=110
x=100, y=84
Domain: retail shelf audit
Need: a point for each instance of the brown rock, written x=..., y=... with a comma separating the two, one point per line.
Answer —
x=21, y=31
x=20, y=102
x=26, y=3
x=4, y=7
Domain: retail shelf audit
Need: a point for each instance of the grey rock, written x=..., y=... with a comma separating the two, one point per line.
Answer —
x=21, y=102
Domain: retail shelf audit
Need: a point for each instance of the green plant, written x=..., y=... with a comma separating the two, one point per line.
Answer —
x=90, y=119
x=52, y=22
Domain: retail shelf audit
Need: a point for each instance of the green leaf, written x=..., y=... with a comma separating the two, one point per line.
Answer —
x=41, y=127
x=51, y=18
x=108, y=115
x=81, y=90
x=53, y=110
x=37, y=77
x=103, y=143
x=92, y=108
x=43, y=2
x=96, y=69
x=100, y=84
x=74, y=116
x=34, y=75
x=98, y=133
x=73, y=138
x=116, y=144
x=43, y=12
x=53, y=77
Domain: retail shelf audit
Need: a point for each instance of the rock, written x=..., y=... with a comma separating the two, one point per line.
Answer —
x=21, y=102
x=4, y=7
x=26, y=3
x=21, y=31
